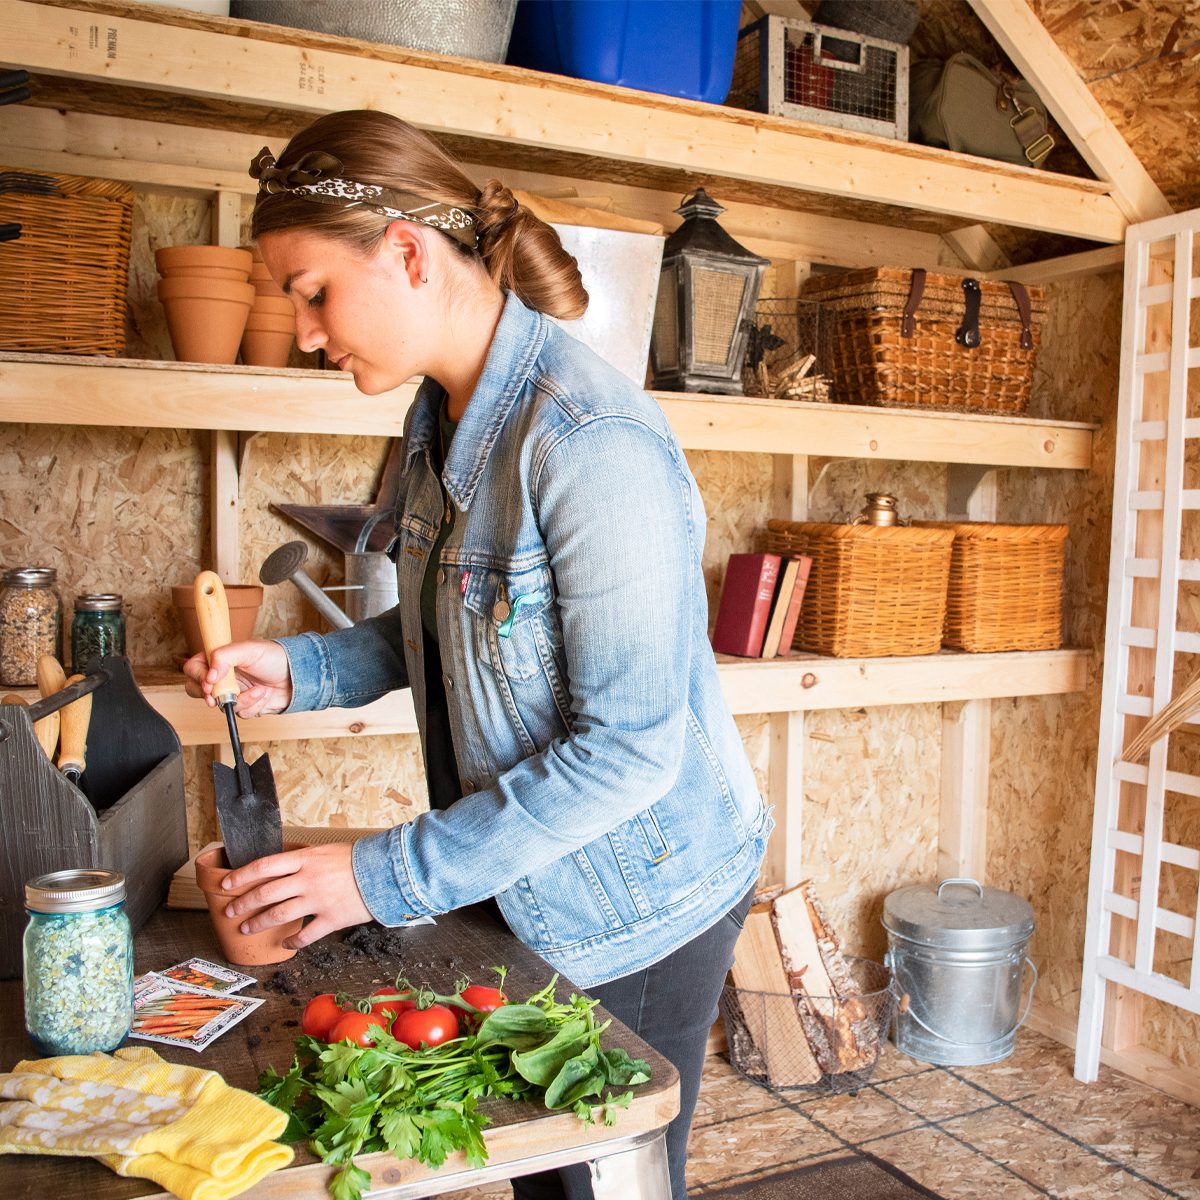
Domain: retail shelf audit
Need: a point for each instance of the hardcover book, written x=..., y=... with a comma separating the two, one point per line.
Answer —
x=745, y=604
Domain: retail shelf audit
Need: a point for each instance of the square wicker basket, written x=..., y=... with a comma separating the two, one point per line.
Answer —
x=63, y=280
x=1006, y=586
x=896, y=339
x=873, y=591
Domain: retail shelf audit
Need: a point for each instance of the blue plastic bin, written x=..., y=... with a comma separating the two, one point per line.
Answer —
x=678, y=47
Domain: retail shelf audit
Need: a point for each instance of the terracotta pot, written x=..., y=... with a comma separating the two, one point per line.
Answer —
x=270, y=323
x=268, y=287
x=277, y=305
x=232, y=274
x=241, y=949
x=266, y=347
x=244, y=599
x=205, y=317
x=171, y=257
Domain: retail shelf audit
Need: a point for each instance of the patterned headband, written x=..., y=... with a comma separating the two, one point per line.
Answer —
x=315, y=176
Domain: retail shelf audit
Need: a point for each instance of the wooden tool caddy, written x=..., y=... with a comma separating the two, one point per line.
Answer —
x=127, y=814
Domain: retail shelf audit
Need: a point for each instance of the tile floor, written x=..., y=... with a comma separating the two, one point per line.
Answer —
x=1020, y=1128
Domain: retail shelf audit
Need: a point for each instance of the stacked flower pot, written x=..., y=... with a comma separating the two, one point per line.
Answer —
x=271, y=327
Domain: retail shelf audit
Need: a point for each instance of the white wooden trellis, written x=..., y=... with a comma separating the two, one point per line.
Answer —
x=1148, y=658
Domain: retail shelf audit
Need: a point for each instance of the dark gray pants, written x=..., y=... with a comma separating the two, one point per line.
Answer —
x=672, y=1005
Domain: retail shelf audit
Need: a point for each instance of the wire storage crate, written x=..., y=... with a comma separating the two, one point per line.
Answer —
x=873, y=591
x=1006, y=586
x=773, y=1037
x=794, y=68
x=63, y=280
x=789, y=352
x=914, y=339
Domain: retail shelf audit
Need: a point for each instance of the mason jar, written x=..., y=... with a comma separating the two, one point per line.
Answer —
x=30, y=623
x=98, y=628
x=78, y=962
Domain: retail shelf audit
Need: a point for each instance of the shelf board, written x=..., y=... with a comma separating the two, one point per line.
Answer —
x=649, y=140
x=800, y=683
x=256, y=399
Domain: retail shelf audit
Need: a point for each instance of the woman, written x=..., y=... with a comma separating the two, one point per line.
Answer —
x=583, y=767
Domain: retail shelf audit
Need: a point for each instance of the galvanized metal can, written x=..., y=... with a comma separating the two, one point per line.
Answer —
x=957, y=952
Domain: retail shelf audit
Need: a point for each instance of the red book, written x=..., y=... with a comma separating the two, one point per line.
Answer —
x=793, y=613
x=745, y=604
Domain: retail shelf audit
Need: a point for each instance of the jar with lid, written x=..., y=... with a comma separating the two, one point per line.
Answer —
x=78, y=955
x=30, y=623
x=98, y=628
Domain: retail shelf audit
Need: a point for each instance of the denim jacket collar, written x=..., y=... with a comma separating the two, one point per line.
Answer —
x=515, y=347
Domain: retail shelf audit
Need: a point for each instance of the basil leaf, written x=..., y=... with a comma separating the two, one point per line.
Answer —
x=542, y=1064
x=518, y=1026
x=580, y=1076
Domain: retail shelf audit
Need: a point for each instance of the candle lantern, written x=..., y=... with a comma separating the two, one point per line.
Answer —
x=705, y=306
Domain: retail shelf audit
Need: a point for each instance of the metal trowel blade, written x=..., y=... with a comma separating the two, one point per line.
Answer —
x=251, y=826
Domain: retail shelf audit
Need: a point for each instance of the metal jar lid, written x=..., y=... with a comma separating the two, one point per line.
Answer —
x=98, y=602
x=958, y=914
x=74, y=891
x=31, y=577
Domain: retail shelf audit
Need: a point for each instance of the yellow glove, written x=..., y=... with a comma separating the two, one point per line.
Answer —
x=182, y=1127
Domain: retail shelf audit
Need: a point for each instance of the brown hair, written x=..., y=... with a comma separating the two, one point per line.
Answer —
x=521, y=253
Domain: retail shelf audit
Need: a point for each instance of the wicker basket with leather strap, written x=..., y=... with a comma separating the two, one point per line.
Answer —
x=872, y=591
x=63, y=280
x=1006, y=586
x=909, y=338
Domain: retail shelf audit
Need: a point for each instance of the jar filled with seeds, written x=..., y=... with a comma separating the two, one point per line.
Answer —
x=98, y=628
x=78, y=962
x=30, y=623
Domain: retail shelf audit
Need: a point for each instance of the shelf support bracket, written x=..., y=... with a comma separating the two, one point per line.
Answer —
x=964, y=497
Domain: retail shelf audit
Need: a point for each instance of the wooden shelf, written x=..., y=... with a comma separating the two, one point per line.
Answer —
x=139, y=393
x=799, y=684
x=269, y=75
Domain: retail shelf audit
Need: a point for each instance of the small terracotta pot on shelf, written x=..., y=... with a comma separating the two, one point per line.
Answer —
x=205, y=317
x=170, y=259
x=278, y=306
x=244, y=599
x=266, y=347
x=241, y=949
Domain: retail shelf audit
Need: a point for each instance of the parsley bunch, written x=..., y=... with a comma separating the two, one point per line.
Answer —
x=345, y=1099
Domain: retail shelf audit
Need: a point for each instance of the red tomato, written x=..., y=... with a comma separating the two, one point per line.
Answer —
x=432, y=1026
x=357, y=1027
x=390, y=1008
x=485, y=999
x=320, y=1015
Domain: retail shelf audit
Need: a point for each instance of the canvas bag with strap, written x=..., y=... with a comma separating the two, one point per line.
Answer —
x=962, y=105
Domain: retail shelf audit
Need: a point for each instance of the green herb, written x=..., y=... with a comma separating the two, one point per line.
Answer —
x=346, y=1100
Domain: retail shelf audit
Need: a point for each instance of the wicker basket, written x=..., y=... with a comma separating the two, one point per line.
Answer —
x=880, y=357
x=873, y=591
x=1006, y=586
x=63, y=281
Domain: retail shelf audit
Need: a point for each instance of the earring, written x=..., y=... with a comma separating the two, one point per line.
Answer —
x=424, y=278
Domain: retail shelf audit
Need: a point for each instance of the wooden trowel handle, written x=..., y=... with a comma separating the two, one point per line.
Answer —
x=73, y=731
x=51, y=677
x=212, y=612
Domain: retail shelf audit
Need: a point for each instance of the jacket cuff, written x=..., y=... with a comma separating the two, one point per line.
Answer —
x=383, y=883
x=312, y=671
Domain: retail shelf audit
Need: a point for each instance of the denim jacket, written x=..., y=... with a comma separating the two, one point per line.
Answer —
x=608, y=802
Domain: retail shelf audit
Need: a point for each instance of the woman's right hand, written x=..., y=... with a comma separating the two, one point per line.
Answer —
x=263, y=675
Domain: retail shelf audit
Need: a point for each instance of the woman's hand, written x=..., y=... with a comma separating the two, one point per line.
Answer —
x=263, y=674
x=316, y=881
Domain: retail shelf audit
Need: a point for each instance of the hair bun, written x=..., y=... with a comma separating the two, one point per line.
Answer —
x=497, y=208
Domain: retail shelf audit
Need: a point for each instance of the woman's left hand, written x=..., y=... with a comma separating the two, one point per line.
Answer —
x=315, y=881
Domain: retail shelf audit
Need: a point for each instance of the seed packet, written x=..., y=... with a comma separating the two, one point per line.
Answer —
x=177, y=1014
x=199, y=972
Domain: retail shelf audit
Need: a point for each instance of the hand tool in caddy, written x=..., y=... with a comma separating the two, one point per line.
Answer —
x=247, y=804
x=71, y=722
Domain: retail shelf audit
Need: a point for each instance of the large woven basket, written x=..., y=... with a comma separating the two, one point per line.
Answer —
x=879, y=358
x=873, y=591
x=1006, y=586
x=63, y=281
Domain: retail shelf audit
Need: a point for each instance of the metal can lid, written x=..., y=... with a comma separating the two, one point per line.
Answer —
x=960, y=914
x=98, y=602
x=30, y=577
x=81, y=890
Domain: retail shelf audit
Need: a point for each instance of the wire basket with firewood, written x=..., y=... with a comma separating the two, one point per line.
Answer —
x=798, y=1013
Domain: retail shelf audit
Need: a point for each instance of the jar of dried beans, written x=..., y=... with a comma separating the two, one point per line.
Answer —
x=30, y=623
x=78, y=962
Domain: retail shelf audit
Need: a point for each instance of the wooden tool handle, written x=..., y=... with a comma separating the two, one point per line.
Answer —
x=212, y=611
x=73, y=730
x=51, y=677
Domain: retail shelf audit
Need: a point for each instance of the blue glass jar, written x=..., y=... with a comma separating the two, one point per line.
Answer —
x=78, y=956
x=98, y=628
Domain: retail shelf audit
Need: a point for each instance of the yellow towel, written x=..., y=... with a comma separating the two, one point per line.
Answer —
x=182, y=1127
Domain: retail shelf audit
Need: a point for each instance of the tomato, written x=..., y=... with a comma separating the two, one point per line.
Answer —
x=485, y=999
x=389, y=1007
x=431, y=1026
x=320, y=1015
x=357, y=1027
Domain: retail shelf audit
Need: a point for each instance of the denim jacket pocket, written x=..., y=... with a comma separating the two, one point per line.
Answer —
x=515, y=624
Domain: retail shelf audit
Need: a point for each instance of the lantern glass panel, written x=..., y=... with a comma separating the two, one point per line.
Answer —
x=716, y=309
x=666, y=325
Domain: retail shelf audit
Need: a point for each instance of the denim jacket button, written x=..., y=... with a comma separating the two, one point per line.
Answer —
x=441, y=575
x=500, y=610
